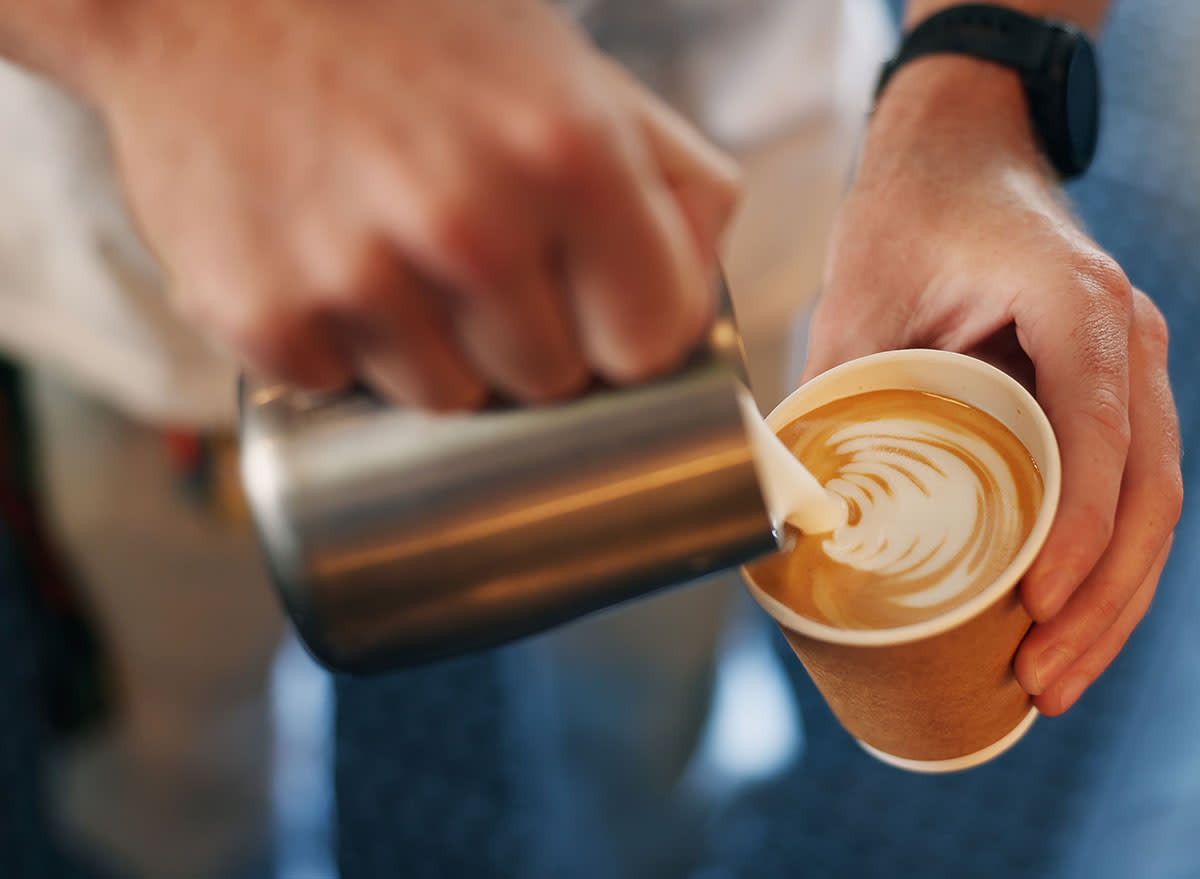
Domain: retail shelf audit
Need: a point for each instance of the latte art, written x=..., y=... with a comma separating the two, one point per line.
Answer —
x=922, y=498
x=941, y=496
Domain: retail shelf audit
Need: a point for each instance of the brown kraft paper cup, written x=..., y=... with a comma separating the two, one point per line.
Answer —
x=939, y=695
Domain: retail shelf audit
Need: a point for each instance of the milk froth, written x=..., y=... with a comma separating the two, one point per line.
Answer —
x=941, y=497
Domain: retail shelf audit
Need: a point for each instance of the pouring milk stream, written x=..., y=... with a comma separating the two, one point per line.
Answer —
x=792, y=494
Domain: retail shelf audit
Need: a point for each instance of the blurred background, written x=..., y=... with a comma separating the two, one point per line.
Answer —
x=192, y=736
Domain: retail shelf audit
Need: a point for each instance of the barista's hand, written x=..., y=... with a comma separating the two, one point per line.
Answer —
x=954, y=237
x=440, y=199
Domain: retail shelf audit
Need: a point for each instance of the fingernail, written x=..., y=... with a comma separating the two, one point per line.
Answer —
x=1047, y=668
x=1073, y=689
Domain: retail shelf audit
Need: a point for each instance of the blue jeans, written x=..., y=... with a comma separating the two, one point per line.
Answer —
x=26, y=848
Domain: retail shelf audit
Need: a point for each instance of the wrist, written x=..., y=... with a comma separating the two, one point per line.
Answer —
x=951, y=110
x=1052, y=60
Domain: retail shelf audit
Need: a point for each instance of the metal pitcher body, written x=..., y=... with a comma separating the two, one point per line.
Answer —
x=396, y=537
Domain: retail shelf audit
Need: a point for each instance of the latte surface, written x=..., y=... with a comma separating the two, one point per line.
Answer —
x=941, y=497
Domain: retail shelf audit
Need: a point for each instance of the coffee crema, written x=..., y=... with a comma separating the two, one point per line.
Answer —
x=941, y=496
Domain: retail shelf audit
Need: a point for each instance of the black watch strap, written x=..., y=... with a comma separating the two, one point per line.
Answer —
x=993, y=33
x=1054, y=60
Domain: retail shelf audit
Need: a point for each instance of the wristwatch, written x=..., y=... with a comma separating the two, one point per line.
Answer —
x=1055, y=60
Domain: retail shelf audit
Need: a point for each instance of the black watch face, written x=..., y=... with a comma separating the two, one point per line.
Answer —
x=1083, y=103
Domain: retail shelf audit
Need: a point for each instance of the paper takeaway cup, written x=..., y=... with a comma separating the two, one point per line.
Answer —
x=939, y=695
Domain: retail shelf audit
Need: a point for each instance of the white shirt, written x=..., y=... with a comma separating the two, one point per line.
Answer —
x=80, y=294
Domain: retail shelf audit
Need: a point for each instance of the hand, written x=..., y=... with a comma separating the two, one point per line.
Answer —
x=953, y=237
x=440, y=199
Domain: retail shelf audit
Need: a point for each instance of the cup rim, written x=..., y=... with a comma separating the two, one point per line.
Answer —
x=1004, y=582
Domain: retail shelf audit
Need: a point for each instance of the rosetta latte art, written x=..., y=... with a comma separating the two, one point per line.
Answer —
x=941, y=497
x=922, y=499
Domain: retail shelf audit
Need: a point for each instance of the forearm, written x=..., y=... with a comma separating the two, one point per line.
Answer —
x=961, y=103
x=61, y=39
x=1087, y=14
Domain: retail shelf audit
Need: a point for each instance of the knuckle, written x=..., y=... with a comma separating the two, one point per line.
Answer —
x=1099, y=339
x=568, y=146
x=1109, y=415
x=1105, y=611
x=364, y=279
x=1160, y=495
x=1101, y=273
x=1152, y=326
x=461, y=237
x=356, y=296
x=1161, y=500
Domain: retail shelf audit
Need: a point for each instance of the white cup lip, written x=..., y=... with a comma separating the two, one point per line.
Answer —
x=1051, y=488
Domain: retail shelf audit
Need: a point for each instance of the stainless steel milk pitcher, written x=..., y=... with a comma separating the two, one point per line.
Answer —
x=396, y=537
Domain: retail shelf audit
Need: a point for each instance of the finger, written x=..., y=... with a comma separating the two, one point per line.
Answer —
x=276, y=338
x=1087, y=668
x=704, y=180
x=241, y=285
x=579, y=184
x=404, y=349
x=1147, y=511
x=641, y=292
x=520, y=337
x=1078, y=341
x=481, y=230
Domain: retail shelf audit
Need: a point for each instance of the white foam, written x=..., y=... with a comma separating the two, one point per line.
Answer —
x=938, y=484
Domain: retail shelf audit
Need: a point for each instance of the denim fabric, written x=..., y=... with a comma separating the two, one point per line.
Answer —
x=456, y=770
x=1143, y=205
x=25, y=844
